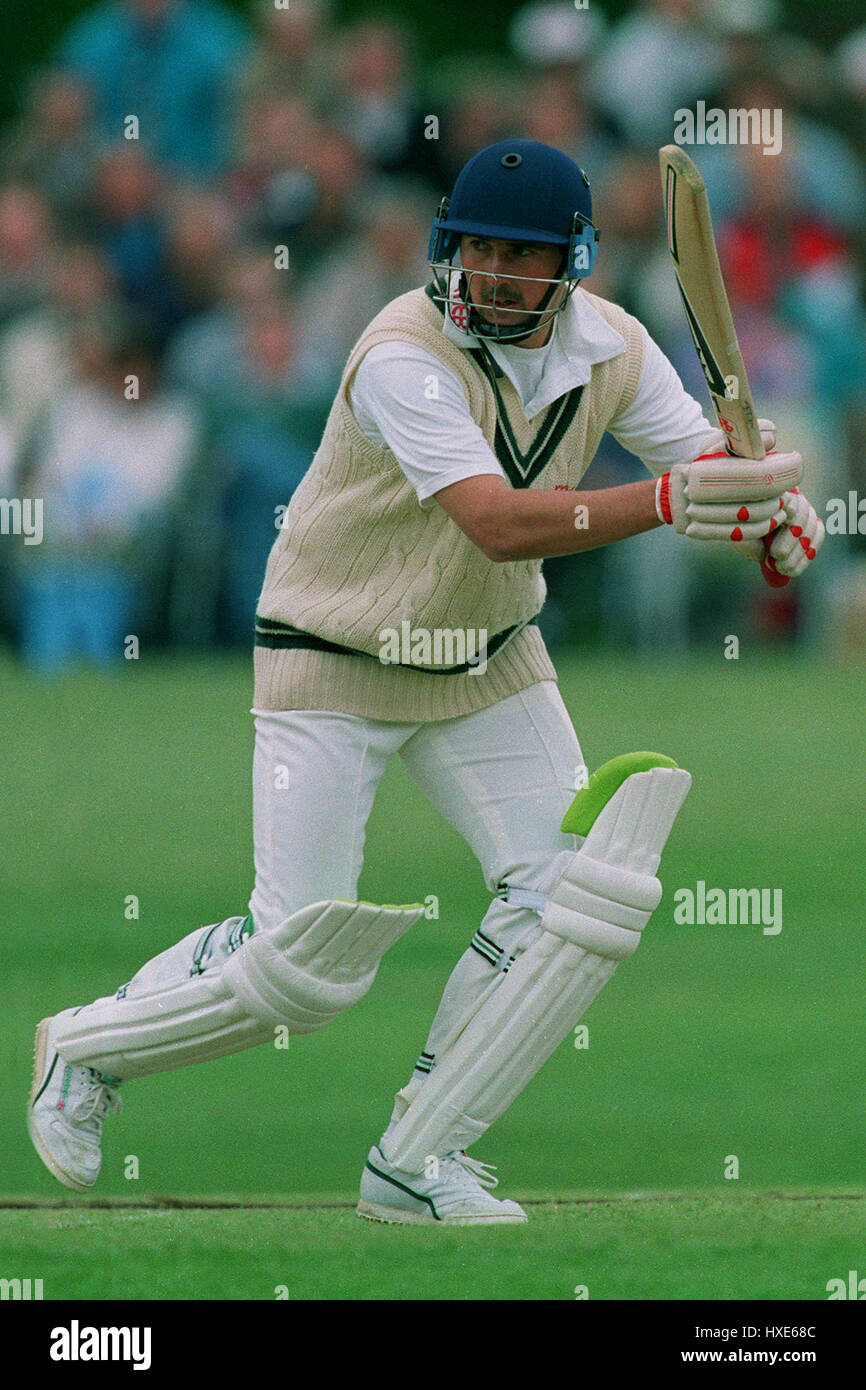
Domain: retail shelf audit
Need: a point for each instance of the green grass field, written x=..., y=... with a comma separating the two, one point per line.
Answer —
x=713, y=1247
x=713, y=1042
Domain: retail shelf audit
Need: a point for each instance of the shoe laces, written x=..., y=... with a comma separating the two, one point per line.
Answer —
x=96, y=1100
x=484, y=1173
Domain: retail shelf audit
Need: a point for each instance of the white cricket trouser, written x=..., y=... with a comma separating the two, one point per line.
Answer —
x=503, y=778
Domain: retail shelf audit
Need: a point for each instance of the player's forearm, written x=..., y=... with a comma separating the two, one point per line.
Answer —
x=534, y=524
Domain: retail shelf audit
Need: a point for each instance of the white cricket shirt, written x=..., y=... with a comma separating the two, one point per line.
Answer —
x=408, y=399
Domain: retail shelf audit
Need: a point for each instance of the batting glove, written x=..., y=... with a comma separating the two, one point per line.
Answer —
x=800, y=539
x=720, y=498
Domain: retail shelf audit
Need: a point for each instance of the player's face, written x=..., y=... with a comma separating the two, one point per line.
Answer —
x=527, y=266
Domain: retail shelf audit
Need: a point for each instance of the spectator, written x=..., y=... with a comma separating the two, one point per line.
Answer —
x=201, y=227
x=850, y=67
x=129, y=220
x=106, y=468
x=291, y=54
x=479, y=111
x=266, y=436
x=782, y=260
x=556, y=114
x=751, y=37
x=340, y=175
x=202, y=355
x=824, y=167
x=660, y=57
x=556, y=37
x=36, y=347
x=265, y=389
x=267, y=401
x=270, y=181
x=627, y=199
x=26, y=246
x=375, y=104
x=54, y=147
x=386, y=258
x=168, y=62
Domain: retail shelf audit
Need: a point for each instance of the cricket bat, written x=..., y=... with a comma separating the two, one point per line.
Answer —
x=702, y=289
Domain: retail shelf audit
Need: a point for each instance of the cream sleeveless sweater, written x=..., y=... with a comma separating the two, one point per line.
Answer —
x=358, y=557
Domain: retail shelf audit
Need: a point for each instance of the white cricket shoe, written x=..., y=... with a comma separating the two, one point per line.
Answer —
x=456, y=1196
x=68, y=1106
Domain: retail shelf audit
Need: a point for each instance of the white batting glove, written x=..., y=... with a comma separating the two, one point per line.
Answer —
x=799, y=539
x=720, y=498
x=754, y=549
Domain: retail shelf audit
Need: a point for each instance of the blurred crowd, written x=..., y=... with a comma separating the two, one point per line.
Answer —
x=199, y=213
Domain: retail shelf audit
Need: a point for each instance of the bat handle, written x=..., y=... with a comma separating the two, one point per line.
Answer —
x=768, y=568
x=768, y=564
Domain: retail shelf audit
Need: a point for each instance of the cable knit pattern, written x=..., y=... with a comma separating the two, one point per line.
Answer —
x=358, y=554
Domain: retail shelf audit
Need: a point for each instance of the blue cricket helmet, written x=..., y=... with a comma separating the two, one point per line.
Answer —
x=517, y=190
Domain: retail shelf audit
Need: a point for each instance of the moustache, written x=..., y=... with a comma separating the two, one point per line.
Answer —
x=501, y=301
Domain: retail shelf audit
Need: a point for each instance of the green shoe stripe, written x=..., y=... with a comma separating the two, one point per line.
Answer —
x=47, y=1079
x=403, y=1188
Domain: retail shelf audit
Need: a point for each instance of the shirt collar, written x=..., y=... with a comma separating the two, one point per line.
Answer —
x=581, y=338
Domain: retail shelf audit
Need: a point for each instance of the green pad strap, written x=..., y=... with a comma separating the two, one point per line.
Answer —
x=603, y=784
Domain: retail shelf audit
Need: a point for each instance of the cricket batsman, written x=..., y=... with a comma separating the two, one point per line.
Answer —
x=398, y=616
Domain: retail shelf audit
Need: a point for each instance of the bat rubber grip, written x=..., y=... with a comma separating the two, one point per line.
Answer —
x=769, y=571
